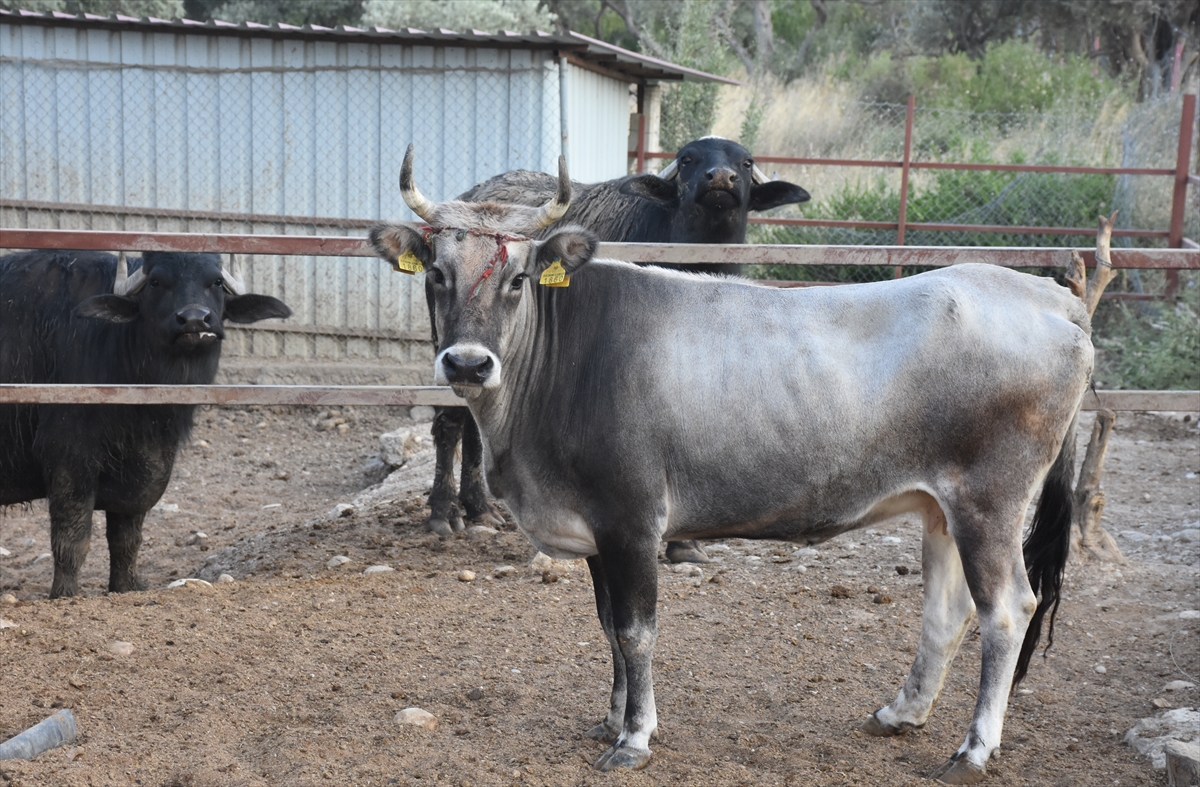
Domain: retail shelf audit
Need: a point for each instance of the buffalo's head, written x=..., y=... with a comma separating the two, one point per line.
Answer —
x=182, y=300
x=709, y=189
x=481, y=268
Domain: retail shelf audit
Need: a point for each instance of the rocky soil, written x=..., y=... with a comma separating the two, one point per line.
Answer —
x=294, y=672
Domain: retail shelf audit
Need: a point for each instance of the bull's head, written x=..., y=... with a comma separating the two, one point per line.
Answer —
x=181, y=299
x=713, y=183
x=481, y=268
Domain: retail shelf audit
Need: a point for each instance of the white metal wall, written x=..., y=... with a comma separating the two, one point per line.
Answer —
x=280, y=128
x=598, y=125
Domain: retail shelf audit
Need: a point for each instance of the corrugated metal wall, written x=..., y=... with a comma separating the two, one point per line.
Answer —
x=598, y=119
x=194, y=127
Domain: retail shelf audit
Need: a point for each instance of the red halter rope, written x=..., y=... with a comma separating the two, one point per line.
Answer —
x=499, y=258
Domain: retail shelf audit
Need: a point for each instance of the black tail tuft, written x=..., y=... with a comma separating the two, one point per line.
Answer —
x=1047, y=547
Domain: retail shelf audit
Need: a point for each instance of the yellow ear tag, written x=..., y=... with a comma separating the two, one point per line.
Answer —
x=408, y=263
x=555, y=276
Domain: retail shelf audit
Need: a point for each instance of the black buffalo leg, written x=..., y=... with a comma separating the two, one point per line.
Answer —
x=444, y=516
x=124, y=534
x=628, y=574
x=70, y=534
x=472, y=492
x=686, y=552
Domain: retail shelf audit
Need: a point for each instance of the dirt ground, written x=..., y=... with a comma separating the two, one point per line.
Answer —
x=292, y=674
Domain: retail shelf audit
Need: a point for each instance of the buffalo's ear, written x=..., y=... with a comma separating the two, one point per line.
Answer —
x=773, y=193
x=652, y=188
x=393, y=241
x=110, y=308
x=253, y=307
x=570, y=246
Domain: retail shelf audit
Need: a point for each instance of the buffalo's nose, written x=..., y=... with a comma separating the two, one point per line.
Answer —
x=721, y=177
x=466, y=371
x=194, y=318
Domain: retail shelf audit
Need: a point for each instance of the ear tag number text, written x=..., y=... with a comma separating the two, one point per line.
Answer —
x=555, y=276
x=408, y=263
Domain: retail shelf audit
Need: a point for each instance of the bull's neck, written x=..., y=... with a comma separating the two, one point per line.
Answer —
x=704, y=228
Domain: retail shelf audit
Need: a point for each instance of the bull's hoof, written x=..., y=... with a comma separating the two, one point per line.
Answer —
x=441, y=527
x=484, y=513
x=873, y=726
x=623, y=757
x=686, y=552
x=959, y=770
x=603, y=733
x=126, y=585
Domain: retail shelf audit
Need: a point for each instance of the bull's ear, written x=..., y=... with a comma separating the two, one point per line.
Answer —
x=110, y=308
x=253, y=307
x=773, y=193
x=652, y=188
x=393, y=241
x=570, y=247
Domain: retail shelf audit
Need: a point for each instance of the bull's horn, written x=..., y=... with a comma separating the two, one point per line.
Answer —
x=233, y=276
x=557, y=206
x=124, y=283
x=670, y=171
x=760, y=176
x=408, y=190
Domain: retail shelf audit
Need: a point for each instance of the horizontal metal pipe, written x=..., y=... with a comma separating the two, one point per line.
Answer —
x=925, y=225
x=408, y=395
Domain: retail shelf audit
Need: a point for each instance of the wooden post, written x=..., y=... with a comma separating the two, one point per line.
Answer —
x=1090, y=541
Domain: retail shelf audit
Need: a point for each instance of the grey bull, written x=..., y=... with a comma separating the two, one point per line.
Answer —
x=613, y=416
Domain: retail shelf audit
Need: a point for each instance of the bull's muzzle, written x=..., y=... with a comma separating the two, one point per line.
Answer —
x=467, y=366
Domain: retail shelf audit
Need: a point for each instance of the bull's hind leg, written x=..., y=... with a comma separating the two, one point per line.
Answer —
x=995, y=573
x=124, y=534
x=630, y=577
x=444, y=517
x=945, y=611
x=609, y=729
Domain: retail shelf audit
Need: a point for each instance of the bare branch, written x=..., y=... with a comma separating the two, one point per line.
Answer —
x=729, y=37
x=643, y=36
x=1104, y=272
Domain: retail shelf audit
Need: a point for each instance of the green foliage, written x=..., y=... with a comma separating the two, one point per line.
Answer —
x=689, y=108
x=1149, y=346
x=523, y=16
x=161, y=9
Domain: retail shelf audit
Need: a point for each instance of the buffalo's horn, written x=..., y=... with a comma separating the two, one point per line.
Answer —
x=233, y=276
x=408, y=190
x=670, y=171
x=554, y=209
x=760, y=176
x=126, y=284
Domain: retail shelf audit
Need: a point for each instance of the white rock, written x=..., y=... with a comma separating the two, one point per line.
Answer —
x=806, y=552
x=1101, y=669
x=1151, y=735
x=225, y=579
x=1190, y=614
x=8, y=599
x=1132, y=535
x=417, y=716
x=541, y=562
x=377, y=569
x=421, y=413
x=5, y=623
x=337, y=561
x=120, y=648
x=891, y=540
x=1179, y=685
x=41, y=557
x=466, y=576
x=26, y=542
x=481, y=530
x=185, y=582
x=800, y=569
x=1189, y=536
x=504, y=571
x=4, y=552
x=167, y=507
x=397, y=447
x=343, y=509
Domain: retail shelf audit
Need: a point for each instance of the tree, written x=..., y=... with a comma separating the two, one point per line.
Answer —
x=522, y=16
x=161, y=9
x=327, y=13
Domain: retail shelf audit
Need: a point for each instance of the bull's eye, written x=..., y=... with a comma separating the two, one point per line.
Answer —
x=219, y=282
x=748, y=164
x=438, y=277
x=155, y=281
x=518, y=281
x=685, y=160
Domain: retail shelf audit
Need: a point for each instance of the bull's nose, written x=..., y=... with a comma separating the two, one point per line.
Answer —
x=466, y=371
x=194, y=318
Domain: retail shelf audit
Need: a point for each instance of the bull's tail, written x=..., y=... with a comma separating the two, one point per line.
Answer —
x=1047, y=547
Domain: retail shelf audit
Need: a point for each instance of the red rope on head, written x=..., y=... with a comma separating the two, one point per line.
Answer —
x=499, y=258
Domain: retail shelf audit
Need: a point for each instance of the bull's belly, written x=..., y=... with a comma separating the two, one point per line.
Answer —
x=558, y=532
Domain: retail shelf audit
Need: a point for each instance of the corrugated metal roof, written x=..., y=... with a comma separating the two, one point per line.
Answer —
x=585, y=50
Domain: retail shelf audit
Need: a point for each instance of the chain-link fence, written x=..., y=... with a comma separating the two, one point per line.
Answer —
x=1144, y=136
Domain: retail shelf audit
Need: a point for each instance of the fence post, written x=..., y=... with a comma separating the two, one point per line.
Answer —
x=908, y=129
x=1183, y=157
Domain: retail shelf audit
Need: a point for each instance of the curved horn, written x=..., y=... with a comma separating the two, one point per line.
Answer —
x=670, y=171
x=232, y=275
x=126, y=284
x=557, y=206
x=760, y=176
x=408, y=190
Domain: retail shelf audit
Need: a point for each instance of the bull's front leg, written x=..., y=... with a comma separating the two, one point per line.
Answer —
x=124, y=534
x=609, y=729
x=630, y=579
x=70, y=533
x=444, y=517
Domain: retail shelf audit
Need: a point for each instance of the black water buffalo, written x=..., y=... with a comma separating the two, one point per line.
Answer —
x=704, y=196
x=88, y=317
x=641, y=403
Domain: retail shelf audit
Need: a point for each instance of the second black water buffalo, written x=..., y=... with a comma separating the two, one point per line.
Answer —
x=89, y=317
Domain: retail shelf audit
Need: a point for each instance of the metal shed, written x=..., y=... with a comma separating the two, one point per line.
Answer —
x=127, y=124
